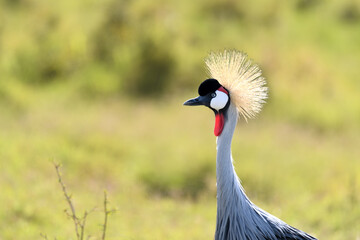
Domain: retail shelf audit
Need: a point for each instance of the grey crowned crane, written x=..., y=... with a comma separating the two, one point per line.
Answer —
x=236, y=87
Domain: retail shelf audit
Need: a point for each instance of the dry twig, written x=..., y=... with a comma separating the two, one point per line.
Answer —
x=80, y=222
x=106, y=214
x=72, y=215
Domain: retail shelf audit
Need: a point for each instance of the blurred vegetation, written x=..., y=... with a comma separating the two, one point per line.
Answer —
x=98, y=86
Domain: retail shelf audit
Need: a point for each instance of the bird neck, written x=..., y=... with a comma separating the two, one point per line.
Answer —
x=237, y=217
x=225, y=173
x=231, y=199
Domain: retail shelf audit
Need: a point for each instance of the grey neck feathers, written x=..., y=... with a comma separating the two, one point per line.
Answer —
x=225, y=173
x=237, y=217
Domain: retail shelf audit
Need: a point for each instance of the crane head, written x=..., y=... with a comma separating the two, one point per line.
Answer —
x=214, y=96
x=233, y=74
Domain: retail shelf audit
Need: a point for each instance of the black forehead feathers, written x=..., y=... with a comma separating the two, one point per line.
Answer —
x=208, y=86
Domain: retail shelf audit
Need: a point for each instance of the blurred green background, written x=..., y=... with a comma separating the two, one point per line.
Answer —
x=99, y=85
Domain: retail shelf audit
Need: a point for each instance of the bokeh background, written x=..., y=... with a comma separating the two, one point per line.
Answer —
x=99, y=85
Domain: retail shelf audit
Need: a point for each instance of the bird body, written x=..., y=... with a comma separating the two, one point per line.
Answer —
x=237, y=217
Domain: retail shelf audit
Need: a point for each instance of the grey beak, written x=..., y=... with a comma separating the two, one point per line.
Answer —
x=201, y=100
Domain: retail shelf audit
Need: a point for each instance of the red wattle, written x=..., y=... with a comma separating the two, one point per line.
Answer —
x=219, y=123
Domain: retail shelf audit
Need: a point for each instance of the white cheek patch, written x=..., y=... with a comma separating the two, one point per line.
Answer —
x=220, y=101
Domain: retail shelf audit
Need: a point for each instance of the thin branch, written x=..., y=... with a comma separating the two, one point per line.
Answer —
x=106, y=213
x=68, y=199
x=44, y=236
x=80, y=222
x=82, y=225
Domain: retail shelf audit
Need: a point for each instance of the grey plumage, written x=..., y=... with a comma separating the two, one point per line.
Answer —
x=237, y=217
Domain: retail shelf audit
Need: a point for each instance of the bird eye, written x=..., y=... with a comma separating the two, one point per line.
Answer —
x=213, y=95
